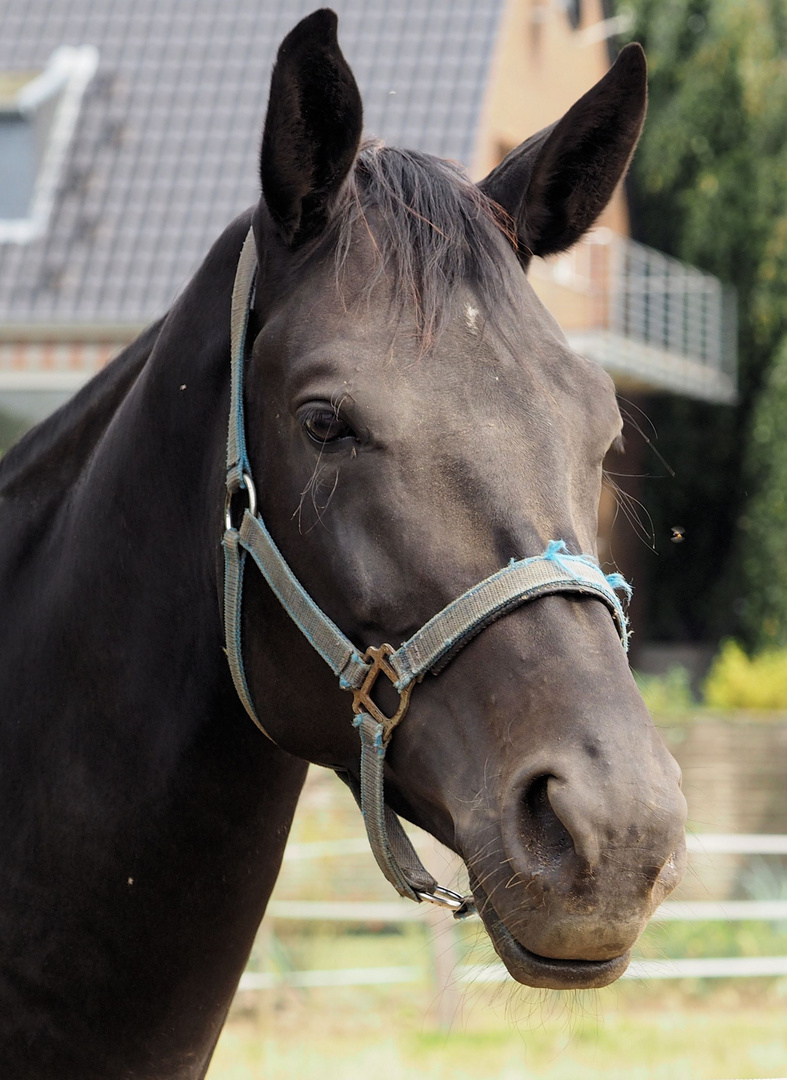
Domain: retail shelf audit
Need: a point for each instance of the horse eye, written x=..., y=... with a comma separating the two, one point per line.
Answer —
x=324, y=426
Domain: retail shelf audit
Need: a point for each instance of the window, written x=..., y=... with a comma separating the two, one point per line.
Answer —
x=573, y=9
x=38, y=116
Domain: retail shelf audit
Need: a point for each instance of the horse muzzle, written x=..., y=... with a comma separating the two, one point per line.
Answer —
x=586, y=861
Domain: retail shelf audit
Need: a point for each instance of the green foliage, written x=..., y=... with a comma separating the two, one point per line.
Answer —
x=710, y=177
x=709, y=185
x=667, y=694
x=737, y=681
x=764, y=521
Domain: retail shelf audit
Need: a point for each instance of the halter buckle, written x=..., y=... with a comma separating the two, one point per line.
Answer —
x=362, y=701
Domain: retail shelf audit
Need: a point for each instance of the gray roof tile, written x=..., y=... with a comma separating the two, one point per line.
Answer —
x=165, y=152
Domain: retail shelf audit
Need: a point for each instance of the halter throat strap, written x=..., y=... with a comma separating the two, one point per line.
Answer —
x=430, y=649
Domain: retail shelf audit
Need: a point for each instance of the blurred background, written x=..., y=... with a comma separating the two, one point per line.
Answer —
x=129, y=134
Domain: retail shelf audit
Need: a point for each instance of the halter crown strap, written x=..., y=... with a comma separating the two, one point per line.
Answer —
x=429, y=649
x=242, y=291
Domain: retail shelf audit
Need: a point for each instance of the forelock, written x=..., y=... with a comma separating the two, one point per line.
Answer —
x=433, y=230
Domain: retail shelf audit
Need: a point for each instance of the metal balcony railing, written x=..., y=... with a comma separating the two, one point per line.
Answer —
x=649, y=319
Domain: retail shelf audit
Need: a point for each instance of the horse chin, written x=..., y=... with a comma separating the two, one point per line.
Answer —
x=530, y=969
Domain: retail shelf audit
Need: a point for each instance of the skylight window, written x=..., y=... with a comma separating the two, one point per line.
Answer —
x=38, y=116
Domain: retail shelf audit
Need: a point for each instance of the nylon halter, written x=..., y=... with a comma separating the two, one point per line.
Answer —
x=430, y=649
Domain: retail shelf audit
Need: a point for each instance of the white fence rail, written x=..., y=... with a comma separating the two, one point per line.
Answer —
x=374, y=911
x=737, y=844
x=361, y=911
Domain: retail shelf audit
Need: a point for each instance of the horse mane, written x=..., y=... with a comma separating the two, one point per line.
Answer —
x=56, y=449
x=434, y=228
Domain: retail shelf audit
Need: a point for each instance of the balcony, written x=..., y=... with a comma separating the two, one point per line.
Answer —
x=656, y=324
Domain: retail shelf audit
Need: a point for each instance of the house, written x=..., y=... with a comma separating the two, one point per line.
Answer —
x=129, y=137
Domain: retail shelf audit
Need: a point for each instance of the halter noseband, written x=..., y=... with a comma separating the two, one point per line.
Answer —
x=430, y=649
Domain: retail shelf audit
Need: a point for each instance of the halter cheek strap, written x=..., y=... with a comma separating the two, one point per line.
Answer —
x=430, y=649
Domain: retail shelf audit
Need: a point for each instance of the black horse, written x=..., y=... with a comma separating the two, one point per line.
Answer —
x=415, y=420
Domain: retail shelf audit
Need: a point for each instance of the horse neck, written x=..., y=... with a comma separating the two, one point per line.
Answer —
x=144, y=515
x=143, y=790
x=144, y=563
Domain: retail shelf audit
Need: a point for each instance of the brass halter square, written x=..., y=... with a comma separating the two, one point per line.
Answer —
x=362, y=702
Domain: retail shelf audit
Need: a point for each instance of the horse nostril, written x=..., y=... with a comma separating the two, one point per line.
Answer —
x=559, y=820
x=544, y=831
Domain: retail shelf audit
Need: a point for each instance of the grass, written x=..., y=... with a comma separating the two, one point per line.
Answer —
x=625, y=1033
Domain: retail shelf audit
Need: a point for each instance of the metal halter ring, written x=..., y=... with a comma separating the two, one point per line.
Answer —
x=461, y=906
x=247, y=484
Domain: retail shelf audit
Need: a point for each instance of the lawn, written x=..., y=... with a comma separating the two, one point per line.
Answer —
x=629, y=1032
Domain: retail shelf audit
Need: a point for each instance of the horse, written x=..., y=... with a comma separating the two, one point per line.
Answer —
x=414, y=421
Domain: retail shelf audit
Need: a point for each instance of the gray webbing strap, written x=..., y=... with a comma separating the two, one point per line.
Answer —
x=234, y=562
x=431, y=647
x=393, y=851
x=322, y=633
x=242, y=290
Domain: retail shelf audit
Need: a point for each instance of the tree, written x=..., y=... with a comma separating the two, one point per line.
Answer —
x=709, y=186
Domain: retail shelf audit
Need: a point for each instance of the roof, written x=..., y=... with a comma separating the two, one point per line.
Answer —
x=164, y=153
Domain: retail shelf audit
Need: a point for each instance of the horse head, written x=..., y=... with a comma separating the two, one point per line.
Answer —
x=415, y=421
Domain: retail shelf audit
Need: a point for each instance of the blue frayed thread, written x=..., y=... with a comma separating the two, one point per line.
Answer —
x=379, y=745
x=344, y=682
x=617, y=581
x=557, y=551
x=556, y=548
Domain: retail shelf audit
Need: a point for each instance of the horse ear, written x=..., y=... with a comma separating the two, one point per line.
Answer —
x=556, y=184
x=312, y=130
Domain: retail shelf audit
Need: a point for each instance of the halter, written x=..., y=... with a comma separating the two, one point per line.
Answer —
x=430, y=649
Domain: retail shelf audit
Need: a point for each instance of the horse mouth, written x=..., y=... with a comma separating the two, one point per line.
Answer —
x=530, y=969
